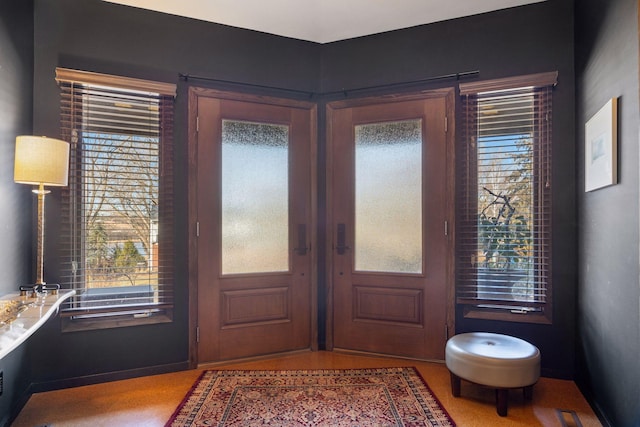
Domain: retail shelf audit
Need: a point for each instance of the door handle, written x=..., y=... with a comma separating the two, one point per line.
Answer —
x=341, y=248
x=302, y=240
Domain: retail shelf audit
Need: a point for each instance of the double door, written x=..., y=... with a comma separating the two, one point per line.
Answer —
x=253, y=191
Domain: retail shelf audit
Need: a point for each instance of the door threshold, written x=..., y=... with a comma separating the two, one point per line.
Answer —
x=207, y=365
x=383, y=355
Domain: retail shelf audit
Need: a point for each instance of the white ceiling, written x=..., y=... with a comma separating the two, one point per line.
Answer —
x=323, y=21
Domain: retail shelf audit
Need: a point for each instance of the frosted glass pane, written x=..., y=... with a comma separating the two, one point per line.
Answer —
x=388, y=213
x=255, y=208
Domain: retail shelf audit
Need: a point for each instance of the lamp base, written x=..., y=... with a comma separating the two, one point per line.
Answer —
x=39, y=289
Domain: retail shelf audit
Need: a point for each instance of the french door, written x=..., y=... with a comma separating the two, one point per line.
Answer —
x=252, y=174
x=390, y=214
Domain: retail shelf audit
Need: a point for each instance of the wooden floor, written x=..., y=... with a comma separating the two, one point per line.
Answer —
x=150, y=401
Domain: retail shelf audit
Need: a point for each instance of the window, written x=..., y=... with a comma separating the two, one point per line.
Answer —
x=117, y=212
x=503, y=250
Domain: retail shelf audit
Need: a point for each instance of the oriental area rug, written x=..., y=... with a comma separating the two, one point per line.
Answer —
x=302, y=398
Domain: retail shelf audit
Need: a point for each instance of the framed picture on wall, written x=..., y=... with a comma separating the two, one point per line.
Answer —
x=601, y=147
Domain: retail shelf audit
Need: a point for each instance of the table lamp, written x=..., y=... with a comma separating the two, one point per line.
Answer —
x=41, y=161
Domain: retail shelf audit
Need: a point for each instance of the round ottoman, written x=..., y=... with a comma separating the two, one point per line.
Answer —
x=493, y=360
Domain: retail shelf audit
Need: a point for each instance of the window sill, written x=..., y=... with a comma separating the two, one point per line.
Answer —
x=115, y=321
x=506, y=315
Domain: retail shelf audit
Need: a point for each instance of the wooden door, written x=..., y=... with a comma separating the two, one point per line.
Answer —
x=254, y=224
x=390, y=209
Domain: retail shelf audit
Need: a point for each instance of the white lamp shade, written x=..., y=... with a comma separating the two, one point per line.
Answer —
x=41, y=160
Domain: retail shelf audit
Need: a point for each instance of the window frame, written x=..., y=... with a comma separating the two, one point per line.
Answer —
x=541, y=86
x=74, y=315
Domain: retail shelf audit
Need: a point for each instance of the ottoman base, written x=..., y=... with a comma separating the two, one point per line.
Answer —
x=502, y=394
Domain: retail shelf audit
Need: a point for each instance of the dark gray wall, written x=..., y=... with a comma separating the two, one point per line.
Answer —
x=509, y=42
x=16, y=94
x=608, y=292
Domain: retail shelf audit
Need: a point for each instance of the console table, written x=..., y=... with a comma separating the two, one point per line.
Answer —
x=21, y=316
